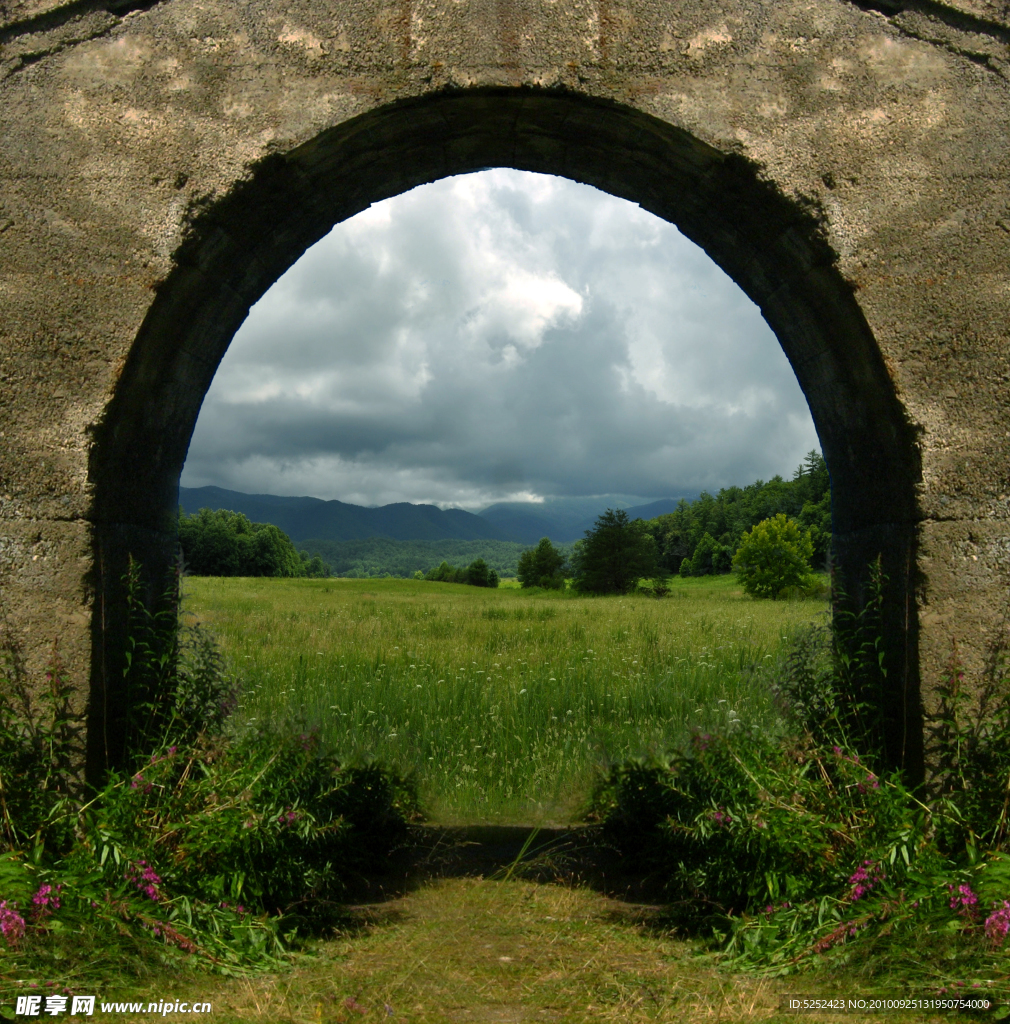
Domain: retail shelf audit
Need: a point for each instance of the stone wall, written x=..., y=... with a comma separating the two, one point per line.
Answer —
x=161, y=164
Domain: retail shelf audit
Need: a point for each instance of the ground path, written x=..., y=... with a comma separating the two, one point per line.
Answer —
x=470, y=949
x=505, y=949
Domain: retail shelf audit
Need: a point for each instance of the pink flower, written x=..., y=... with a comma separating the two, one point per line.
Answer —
x=864, y=879
x=47, y=899
x=700, y=741
x=146, y=879
x=288, y=817
x=997, y=924
x=963, y=899
x=138, y=779
x=12, y=924
x=721, y=817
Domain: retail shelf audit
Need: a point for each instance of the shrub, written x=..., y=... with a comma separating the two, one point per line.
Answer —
x=772, y=556
x=788, y=847
x=266, y=818
x=40, y=749
x=314, y=567
x=542, y=566
x=477, y=574
x=739, y=821
x=969, y=744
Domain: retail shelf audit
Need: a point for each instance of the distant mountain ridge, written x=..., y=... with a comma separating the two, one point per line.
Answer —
x=564, y=520
x=303, y=518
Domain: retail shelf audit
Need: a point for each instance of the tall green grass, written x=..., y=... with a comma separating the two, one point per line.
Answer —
x=503, y=703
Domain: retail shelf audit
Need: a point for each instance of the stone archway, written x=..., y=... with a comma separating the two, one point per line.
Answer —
x=162, y=171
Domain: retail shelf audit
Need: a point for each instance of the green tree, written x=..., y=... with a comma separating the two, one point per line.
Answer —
x=614, y=555
x=709, y=557
x=542, y=566
x=479, y=574
x=313, y=566
x=443, y=573
x=774, y=555
x=223, y=543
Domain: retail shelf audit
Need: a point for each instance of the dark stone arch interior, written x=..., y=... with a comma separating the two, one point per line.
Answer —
x=770, y=246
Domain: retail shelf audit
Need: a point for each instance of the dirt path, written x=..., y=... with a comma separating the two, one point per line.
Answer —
x=466, y=941
x=466, y=949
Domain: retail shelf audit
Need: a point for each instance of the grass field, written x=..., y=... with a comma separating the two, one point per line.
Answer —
x=503, y=703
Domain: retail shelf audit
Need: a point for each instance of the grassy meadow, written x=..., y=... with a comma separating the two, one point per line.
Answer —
x=503, y=703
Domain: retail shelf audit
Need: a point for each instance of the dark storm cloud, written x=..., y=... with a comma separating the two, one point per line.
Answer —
x=495, y=336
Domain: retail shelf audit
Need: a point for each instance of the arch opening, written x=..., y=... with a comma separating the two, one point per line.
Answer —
x=770, y=246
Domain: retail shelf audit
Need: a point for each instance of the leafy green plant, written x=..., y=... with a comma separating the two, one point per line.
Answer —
x=772, y=556
x=744, y=819
x=969, y=744
x=40, y=747
x=264, y=819
x=791, y=847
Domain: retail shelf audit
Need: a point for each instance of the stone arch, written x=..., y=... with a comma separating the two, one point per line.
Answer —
x=771, y=246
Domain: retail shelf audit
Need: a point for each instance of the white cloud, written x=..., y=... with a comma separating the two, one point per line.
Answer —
x=498, y=335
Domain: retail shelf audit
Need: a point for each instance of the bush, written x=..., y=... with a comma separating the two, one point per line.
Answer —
x=738, y=821
x=969, y=744
x=614, y=555
x=773, y=556
x=314, y=567
x=265, y=818
x=40, y=750
x=542, y=566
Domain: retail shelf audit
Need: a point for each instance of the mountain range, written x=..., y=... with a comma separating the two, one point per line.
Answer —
x=303, y=518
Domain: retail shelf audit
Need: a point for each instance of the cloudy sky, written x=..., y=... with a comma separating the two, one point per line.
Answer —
x=500, y=336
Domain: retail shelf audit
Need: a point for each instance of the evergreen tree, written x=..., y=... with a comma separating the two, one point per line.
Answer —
x=615, y=554
x=542, y=566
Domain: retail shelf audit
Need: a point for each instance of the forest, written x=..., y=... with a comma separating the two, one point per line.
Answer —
x=701, y=536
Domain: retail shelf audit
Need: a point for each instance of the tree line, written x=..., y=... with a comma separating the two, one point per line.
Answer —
x=701, y=536
x=771, y=534
x=382, y=556
x=217, y=542
x=698, y=538
x=477, y=574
